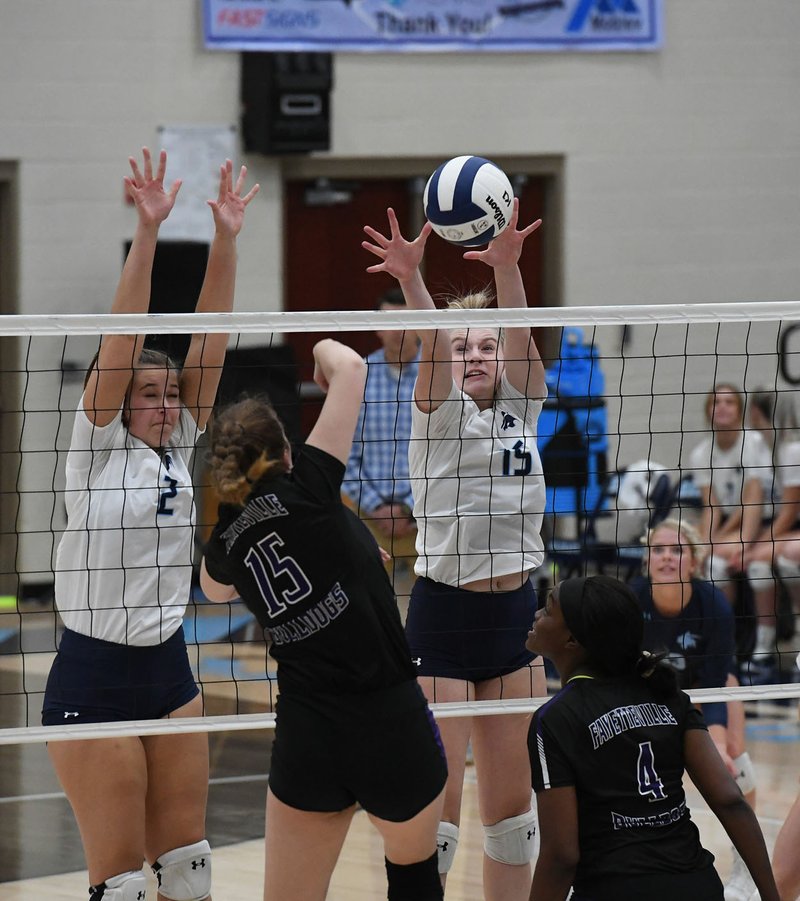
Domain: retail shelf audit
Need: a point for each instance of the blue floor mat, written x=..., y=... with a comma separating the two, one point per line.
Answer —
x=235, y=670
x=5, y=634
x=211, y=629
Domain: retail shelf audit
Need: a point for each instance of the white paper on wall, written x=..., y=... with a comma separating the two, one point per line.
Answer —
x=194, y=154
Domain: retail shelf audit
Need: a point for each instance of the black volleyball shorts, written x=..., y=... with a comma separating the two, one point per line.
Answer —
x=381, y=750
x=95, y=681
x=469, y=635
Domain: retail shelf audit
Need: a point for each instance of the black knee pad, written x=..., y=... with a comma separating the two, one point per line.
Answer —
x=415, y=881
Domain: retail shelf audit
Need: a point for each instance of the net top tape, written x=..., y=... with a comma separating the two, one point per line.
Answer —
x=360, y=320
x=246, y=721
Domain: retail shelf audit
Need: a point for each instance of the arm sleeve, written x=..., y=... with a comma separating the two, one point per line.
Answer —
x=640, y=586
x=718, y=625
x=757, y=461
x=444, y=421
x=91, y=447
x=214, y=552
x=693, y=718
x=86, y=436
x=526, y=408
x=700, y=464
x=789, y=461
x=318, y=473
x=547, y=741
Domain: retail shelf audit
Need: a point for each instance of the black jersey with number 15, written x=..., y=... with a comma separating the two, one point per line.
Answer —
x=311, y=573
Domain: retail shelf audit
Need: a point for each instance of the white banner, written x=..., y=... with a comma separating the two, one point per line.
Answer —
x=194, y=154
x=432, y=25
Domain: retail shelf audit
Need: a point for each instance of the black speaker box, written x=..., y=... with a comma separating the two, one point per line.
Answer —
x=270, y=370
x=286, y=102
x=179, y=268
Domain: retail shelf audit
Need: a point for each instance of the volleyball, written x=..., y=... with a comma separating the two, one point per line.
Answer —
x=468, y=200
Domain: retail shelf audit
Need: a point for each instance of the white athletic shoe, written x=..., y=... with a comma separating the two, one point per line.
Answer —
x=740, y=886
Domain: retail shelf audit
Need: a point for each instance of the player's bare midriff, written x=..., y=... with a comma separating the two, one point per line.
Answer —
x=509, y=582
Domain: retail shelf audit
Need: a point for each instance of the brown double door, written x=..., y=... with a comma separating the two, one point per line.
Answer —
x=326, y=264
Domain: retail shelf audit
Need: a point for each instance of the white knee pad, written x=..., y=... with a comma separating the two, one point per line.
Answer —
x=513, y=841
x=745, y=773
x=787, y=569
x=716, y=568
x=128, y=886
x=446, y=844
x=759, y=574
x=184, y=874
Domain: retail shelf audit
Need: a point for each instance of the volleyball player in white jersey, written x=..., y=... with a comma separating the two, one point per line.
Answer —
x=478, y=501
x=733, y=470
x=123, y=576
x=774, y=553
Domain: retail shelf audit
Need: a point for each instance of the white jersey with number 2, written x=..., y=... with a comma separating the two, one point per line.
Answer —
x=124, y=563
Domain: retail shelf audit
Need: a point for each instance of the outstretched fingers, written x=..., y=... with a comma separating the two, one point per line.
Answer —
x=138, y=178
x=240, y=180
x=400, y=257
x=146, y=189
x=514, y=219
x=148, y=164
x=394, y=225
x=377, y=237
x=531, y=228
x=425, y=231
x=223, y=183
x=379, y=248
x=239, y=186
x=227, y=188
x=229, y=205
x=162, y=165
x=251, y=193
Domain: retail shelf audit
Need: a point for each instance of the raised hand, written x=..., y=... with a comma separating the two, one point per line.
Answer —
x=506, y=248
x=228, y=209
x=153, y=203
x=401, y=258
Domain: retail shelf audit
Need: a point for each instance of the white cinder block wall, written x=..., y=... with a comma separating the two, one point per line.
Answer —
x=680, y=168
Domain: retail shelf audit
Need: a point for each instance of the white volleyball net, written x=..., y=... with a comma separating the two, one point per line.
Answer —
x=627, y=407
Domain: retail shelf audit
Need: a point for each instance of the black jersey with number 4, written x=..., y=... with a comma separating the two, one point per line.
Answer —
x=311, y=572
x=621, y=748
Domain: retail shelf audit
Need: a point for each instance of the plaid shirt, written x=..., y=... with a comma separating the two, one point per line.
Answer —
x=377, y=471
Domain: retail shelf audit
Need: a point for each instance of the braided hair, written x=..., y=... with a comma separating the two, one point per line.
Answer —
x=247, y=442
x=604, y=617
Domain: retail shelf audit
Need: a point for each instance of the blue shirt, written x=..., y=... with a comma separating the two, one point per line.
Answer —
x=699, y=641
x=377, y=470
